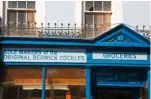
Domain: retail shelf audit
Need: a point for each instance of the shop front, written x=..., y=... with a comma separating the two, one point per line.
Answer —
x=114, y=65
x=25, y=82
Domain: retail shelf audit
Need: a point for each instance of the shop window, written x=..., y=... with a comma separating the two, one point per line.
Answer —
x=19, y=82
x=82, y=90
x=35, y=93
x=25, y=83
x=59, y=94
x=97, y=15
x=73, y=93
x=69, y=79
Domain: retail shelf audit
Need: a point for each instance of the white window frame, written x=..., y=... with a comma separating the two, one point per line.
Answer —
x=93, y=12
x=17, y=9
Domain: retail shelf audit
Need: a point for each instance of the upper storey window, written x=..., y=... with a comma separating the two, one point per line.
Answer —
x=21, y=15
x=97, y=16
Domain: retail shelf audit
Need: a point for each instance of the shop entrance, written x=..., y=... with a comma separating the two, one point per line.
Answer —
x=113, y=93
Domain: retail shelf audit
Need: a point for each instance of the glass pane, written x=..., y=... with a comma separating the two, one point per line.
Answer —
x=12, y=4
x=106, y=21
x=35, y=93
x=82, y=90
x=98, y=20
x=20, y=82
x=89, y=5
x=89, y=19
x=107, y=5
x=22, y=19
x=21, y=4
x=31, y=4
x=60, y=93
x=11, y=16
x=98, y=5
x=89, y=24
x=31, y=16
x=21, y=16
x=31, y=20
x=62, y=78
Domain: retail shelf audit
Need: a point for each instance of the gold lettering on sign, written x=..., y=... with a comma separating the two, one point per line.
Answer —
x=53, y=81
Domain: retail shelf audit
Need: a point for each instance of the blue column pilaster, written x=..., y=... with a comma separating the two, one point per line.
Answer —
x=88, y=82
x=43, y=81
x=148, y=76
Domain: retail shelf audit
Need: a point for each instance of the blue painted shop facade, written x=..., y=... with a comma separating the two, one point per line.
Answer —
x=117, y=59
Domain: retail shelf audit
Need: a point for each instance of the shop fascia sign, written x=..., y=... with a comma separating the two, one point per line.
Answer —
x=64, y=55
x=119, y=56
x=44, y=55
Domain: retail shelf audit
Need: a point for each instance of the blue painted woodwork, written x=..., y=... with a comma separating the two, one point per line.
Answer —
x=112, y=41
x=43, y=81
x=96, y=42
x=120, y=76
x=75, y=64
x=88, y=83
x=131, y=63
x=149, y=82
x=125, y=31
x=118, y=39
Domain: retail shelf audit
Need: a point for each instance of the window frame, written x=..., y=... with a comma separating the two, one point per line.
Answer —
x=94, y=27
x=17, y=15
x=94, y=12
x=20, y=9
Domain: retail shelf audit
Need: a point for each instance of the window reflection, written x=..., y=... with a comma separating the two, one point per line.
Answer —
x=61, y=83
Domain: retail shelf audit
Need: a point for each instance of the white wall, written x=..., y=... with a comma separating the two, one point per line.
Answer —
x=78, y=13
x=150, y=16
x=60, y=12
x=117, y=12
x=1, y=12
x=137, y=13
x=71, y=12
x=1, y=8
x=40, y=12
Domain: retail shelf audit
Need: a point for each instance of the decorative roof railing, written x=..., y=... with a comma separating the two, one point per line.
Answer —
x=73, y=31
